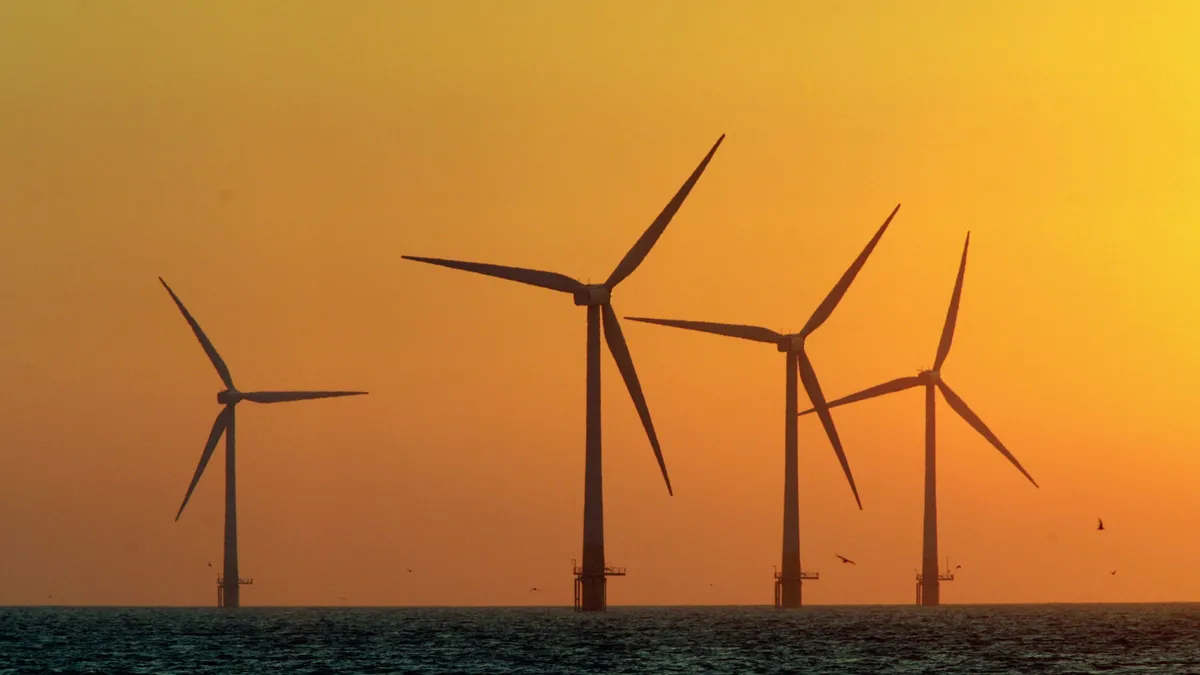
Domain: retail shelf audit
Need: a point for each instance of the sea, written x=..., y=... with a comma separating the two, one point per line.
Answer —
x=1160, y=638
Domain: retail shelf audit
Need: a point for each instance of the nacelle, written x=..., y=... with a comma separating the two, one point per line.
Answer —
x=229, y=397
x=931, y=376
x=790, y=343
x=595, y=294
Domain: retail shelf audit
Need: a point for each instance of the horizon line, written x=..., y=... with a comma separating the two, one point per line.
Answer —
x=631, y=606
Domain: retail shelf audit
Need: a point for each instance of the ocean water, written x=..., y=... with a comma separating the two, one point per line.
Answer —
x=953, y=639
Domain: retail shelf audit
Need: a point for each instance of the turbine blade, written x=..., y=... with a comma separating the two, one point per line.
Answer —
x=898, y=384
x=952, y=314
x=960, y=407
x=284, y=396
x=835, y=296
x=620, y=353
x=730, y=329
x=218, y=428
x=552, y=280
x=204, y=341
x=638, y=253
x=809, y=377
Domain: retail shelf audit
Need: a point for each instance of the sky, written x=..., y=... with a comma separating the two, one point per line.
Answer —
x=273, y=161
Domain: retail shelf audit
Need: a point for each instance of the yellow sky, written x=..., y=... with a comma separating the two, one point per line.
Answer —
x=274, y=160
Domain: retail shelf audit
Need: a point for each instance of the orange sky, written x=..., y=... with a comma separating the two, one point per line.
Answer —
x=273, y=162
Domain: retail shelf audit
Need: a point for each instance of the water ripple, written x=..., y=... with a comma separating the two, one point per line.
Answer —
x=961, y=640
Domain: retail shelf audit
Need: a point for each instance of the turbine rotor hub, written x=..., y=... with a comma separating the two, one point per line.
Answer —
x=931, y=376
x=229, y=397
x=593, y=295
x=791, y=343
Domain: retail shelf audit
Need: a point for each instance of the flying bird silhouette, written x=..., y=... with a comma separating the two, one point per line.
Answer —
x=958, y=567
x=844, y=559
x=533, y=590
x=1113, y=572
x=1100, y=526
x=210, y=564
x=410, y=570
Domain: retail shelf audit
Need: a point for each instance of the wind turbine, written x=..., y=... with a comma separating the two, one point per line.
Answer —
x=224, y=423
x=932, y=379
x=790, y=579
x=598, y=300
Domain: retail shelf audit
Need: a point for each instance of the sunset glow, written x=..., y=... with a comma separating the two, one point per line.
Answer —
x=273, y=162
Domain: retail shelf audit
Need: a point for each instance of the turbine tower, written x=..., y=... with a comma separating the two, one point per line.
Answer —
x=790, y=579
x=598, y=300
x=932, y=380
x=229, y=398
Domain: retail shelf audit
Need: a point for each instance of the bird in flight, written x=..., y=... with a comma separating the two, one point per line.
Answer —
x=1100, y=526
x=1113, y=572
x=844, y=559
x=958, y=567
x=533, y=590
x=409, y=570
x=210, y=564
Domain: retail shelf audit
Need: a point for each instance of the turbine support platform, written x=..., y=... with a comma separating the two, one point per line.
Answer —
x=600, y=579
x=948, y=576
x=781, y=581
x=221, y=588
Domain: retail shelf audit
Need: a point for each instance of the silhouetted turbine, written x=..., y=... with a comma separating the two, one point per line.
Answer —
x=598, y=300
x=797, y=361
x=932, y=379
x=224, y=424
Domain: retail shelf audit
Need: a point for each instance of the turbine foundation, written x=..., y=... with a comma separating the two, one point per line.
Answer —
x=221, y=588
x=789, y=589
x=933, y=598
x=591, y=588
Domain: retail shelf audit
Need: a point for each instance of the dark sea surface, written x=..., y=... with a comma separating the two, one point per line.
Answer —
x=952, y=639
